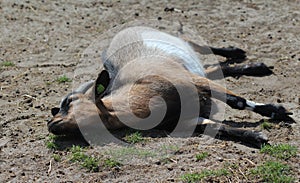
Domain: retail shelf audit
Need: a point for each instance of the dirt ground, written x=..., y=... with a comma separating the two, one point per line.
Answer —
x=47, y=39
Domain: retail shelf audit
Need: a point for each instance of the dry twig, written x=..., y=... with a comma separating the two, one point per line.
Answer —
x=50, y=167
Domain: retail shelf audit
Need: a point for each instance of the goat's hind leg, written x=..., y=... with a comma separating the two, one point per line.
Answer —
x=252, y=137
x=251, y=69
x=229, y=52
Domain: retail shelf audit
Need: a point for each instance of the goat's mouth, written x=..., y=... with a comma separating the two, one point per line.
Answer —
x=61, y=127
x=53, y=126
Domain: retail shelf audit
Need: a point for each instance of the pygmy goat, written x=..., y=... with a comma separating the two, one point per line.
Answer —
x=149, y=73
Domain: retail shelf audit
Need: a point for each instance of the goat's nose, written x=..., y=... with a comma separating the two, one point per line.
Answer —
x=53, y=125
x=54, y=120
x=49, y=120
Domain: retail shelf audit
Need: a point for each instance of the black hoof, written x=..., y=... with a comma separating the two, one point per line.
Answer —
x=230, y=52
x=275, y=112
x=257, y=139
x=235, y=53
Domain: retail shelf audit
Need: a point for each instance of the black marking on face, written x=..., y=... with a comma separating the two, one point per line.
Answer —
x=55, y=110
x=65, y=104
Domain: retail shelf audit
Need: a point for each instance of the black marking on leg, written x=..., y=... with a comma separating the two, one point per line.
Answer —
x=251, y=69
x=230, y=52
x=273, y=111
x=254, y=138
x=236, y=102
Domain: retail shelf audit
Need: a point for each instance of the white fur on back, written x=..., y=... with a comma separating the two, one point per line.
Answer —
x=175, y=47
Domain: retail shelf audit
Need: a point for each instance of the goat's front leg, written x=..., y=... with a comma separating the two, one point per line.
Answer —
x=275, y=112
x=272, y=111
x=255, y=138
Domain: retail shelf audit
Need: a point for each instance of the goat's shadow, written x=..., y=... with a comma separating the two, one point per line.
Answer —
x=63, y=142
x=66, y=142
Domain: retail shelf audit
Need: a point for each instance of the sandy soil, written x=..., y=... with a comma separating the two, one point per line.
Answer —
x=46, y=39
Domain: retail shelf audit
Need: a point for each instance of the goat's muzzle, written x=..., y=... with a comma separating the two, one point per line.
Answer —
x=53, y=126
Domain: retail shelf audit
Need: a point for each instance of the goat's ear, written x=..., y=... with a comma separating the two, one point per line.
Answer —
x=55, y=111
x=101, y=83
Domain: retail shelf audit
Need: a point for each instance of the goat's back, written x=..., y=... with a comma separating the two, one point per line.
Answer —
x=154, y=50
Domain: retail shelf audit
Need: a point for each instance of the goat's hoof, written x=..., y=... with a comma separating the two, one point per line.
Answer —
x=275, y=112
x=261, y=137
x=258, y=139
x=281, y=114
x=256, y=69
x=235, y=53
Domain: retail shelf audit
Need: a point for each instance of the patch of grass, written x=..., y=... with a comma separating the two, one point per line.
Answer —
x=100, y=89
x=88, y=162
x=77, y=154
x=91, y=163
x=50, y=142
x=51, y=145
x=63, y=79
x=56, y=157
x=7, y=64
x=169, y=148
x=75, y=149
x=272, y=171
x=266, y=125
x=134, y=138
x=125, y=152
x=196, y=177
x=78, y=157
x=281, y=151
x=201, y=156
x=111, y=163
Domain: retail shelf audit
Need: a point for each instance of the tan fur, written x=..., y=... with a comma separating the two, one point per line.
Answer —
x=139, y=96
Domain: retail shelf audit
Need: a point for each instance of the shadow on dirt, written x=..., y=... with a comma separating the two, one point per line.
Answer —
x=66, y=142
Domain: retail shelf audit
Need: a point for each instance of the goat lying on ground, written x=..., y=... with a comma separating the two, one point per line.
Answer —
x=142, y=66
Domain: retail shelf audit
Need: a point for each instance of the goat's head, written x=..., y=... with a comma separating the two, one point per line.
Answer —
x=77, y=105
